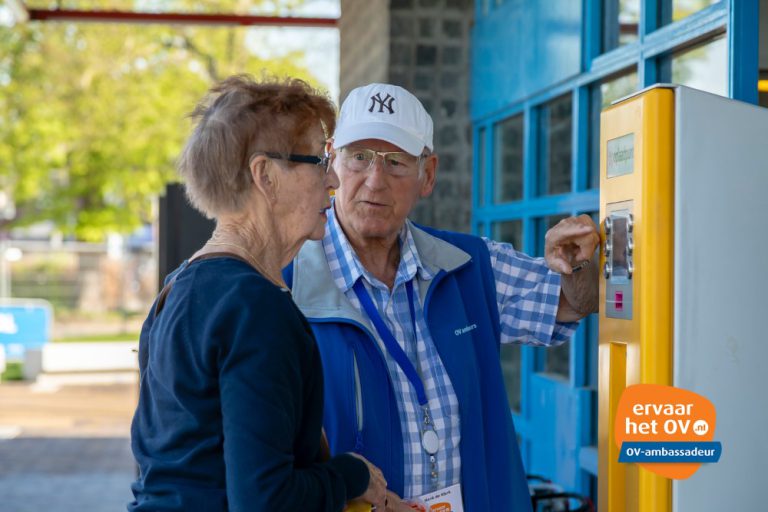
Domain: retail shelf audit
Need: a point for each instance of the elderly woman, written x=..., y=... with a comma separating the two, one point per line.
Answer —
x=231, y=395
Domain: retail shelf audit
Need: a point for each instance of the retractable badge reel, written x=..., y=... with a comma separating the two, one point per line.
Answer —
x=431, y=443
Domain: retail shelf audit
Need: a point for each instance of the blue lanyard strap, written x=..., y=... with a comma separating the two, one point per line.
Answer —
x=391, y=344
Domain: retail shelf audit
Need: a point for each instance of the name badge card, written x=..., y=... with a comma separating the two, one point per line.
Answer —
x=447, y=499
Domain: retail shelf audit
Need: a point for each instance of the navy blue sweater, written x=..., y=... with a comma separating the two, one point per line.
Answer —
x=231, y=401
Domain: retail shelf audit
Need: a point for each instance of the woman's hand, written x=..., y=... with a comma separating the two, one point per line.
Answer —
x=376, y=494
x=395, y=504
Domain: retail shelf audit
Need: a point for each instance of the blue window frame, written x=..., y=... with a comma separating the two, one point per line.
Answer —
x=535, y=118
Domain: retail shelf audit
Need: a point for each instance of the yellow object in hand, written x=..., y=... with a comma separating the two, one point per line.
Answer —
x=358, y=506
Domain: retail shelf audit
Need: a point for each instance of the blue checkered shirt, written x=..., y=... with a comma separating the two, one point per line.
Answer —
x=528, y=295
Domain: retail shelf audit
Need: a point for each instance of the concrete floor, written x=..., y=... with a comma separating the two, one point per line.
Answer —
x=66, y=447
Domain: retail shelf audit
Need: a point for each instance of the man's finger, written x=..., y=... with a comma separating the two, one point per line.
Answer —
x=587, y=247
x=580, y=235
x=585, y=243
x=570, y=233
x=558, y=264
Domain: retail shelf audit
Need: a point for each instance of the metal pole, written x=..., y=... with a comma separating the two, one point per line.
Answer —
x=5, y=274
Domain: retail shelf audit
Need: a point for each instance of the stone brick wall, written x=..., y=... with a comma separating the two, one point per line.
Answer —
x=363, y=43
x=427, y=52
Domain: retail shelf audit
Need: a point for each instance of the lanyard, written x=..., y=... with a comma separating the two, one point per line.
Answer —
x=429, y=439
x=391, y=344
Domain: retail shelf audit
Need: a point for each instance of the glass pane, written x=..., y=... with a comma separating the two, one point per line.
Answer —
x=703, y=67
x=481, y=167
x=556, y=359
x=611, y=89
x=621, y=19
x=508, y=166
x=602, y=95
x=675, y=10
x=510, y=231
x=510, y=369
x=555, y=128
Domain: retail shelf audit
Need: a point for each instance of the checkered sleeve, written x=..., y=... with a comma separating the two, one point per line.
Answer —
x=528, y=294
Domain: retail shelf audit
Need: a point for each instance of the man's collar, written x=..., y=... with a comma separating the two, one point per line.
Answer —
x=337, y=247
x=320, y=293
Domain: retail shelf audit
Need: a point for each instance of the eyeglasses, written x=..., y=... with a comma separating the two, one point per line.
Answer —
x=322, y=162
x=396, y=163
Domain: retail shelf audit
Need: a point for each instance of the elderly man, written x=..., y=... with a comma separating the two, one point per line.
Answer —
x=409, y=319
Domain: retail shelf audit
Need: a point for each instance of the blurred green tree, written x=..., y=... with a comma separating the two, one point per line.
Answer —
x=92, y=116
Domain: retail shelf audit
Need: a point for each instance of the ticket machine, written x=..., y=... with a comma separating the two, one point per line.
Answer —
x=684, y=222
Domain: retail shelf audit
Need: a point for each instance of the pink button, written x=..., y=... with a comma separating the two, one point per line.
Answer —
x=619, y=301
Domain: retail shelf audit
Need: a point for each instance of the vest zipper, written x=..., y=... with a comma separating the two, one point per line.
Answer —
x=358, y=406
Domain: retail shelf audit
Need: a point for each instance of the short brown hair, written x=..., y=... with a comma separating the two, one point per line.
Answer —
x=238, y=117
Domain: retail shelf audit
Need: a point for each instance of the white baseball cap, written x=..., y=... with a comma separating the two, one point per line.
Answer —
x=384, y=112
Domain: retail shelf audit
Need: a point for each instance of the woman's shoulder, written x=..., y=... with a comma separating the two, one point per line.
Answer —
x=229, y=283
x=225, y=273
x=221, y=285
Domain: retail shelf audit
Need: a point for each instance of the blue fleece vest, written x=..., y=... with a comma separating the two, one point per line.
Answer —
x=492, y=474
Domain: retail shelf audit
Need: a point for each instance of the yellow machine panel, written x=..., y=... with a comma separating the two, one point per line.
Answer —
x=636, y=291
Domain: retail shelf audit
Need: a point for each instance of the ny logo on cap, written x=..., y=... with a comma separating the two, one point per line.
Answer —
x=385, y=103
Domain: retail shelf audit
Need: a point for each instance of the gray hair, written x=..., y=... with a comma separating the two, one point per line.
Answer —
x=423, y=160
x=237, y=118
